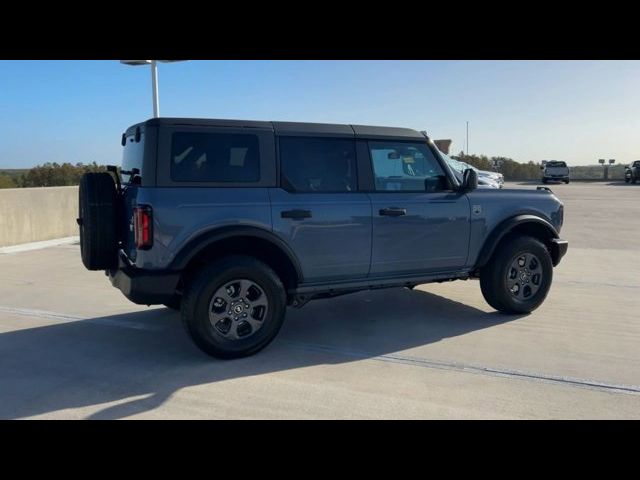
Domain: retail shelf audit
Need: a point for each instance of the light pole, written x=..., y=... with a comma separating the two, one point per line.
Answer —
x=606, y=171
x=467, y=138
x=606, y=166
x=154, y=79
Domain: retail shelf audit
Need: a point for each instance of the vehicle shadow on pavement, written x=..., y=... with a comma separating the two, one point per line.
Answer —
x=622, y=183
x=147, y=354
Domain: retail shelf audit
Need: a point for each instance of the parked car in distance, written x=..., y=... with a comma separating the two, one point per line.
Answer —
x=554, y=170
x=484, y=181
x=493, y=177
x=632, y=172
x=233, y=221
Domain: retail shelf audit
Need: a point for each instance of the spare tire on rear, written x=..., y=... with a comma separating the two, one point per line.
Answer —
x=98, y=221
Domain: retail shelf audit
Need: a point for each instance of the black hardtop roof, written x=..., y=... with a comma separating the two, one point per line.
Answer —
x=290, y=128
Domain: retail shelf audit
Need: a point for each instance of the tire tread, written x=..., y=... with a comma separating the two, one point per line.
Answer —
x=211, y=273
x=491, y=275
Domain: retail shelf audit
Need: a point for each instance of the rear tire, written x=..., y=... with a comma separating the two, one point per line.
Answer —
x=566, y=182
x=97, y=220
x=510, y=287
x=234, y=307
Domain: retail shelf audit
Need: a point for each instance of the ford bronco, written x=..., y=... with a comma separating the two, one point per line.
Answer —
x=232, y=221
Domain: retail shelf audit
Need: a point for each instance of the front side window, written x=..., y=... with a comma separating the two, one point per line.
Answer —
x=318, y=164
x=215, y=157
x=400, y=166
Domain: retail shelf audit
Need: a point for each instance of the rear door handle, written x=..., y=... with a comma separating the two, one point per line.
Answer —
x=393, y=212
x=296, y=214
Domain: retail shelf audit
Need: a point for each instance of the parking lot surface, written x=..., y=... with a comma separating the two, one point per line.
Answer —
x=71, y=346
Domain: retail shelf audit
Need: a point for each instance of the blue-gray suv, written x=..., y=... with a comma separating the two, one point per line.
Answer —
x=232, y=221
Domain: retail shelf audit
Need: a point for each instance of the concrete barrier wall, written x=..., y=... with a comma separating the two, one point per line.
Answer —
x=36, y=214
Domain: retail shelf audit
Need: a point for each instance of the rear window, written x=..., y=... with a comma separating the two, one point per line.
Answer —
x=215, y=157
x=132, y=157
x=556, y=164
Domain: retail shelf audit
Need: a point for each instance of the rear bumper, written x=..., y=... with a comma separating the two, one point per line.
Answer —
x=145, y=287
x=558, y=250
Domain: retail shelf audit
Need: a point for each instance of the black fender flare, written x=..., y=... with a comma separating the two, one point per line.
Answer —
x=208, y=238
x=505, y=227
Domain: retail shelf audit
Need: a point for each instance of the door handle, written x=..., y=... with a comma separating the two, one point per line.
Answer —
x=296, y=214
x=393, y=212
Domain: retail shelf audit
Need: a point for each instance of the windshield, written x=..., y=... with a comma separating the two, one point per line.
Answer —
x=556, y=164
x=456, y=167
x=454, y=164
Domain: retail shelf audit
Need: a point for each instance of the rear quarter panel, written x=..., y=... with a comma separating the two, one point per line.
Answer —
x=180, y=214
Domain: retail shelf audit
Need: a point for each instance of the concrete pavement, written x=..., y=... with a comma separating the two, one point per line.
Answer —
x=71, y=346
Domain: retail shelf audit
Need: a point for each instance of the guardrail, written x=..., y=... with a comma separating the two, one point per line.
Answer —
x=37, y=214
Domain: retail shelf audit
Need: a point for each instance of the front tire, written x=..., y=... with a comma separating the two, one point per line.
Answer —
x=234, y=307
x=518, y=276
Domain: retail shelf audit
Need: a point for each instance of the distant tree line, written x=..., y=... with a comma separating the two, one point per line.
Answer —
x=516, y=171
x=7, y=181
x=511, y=169
x=49, y=175
x=57, y=175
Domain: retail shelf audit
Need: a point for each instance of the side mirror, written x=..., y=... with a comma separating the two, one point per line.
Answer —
x=469, y=180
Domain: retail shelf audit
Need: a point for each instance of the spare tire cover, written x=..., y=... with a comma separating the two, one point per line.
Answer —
x=98, y=221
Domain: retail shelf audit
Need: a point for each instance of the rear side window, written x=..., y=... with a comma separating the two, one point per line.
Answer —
x=132, y=157
x=318, y=164
x=215, y=157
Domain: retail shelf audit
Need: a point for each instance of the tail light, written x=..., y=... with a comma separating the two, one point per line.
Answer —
x=143, y=227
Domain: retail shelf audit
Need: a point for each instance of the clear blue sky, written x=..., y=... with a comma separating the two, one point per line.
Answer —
x=529, y=110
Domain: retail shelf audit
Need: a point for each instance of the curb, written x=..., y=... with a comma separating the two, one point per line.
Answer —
x=25, y=247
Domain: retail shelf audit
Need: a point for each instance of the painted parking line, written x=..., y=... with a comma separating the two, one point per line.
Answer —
x=473, y=368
